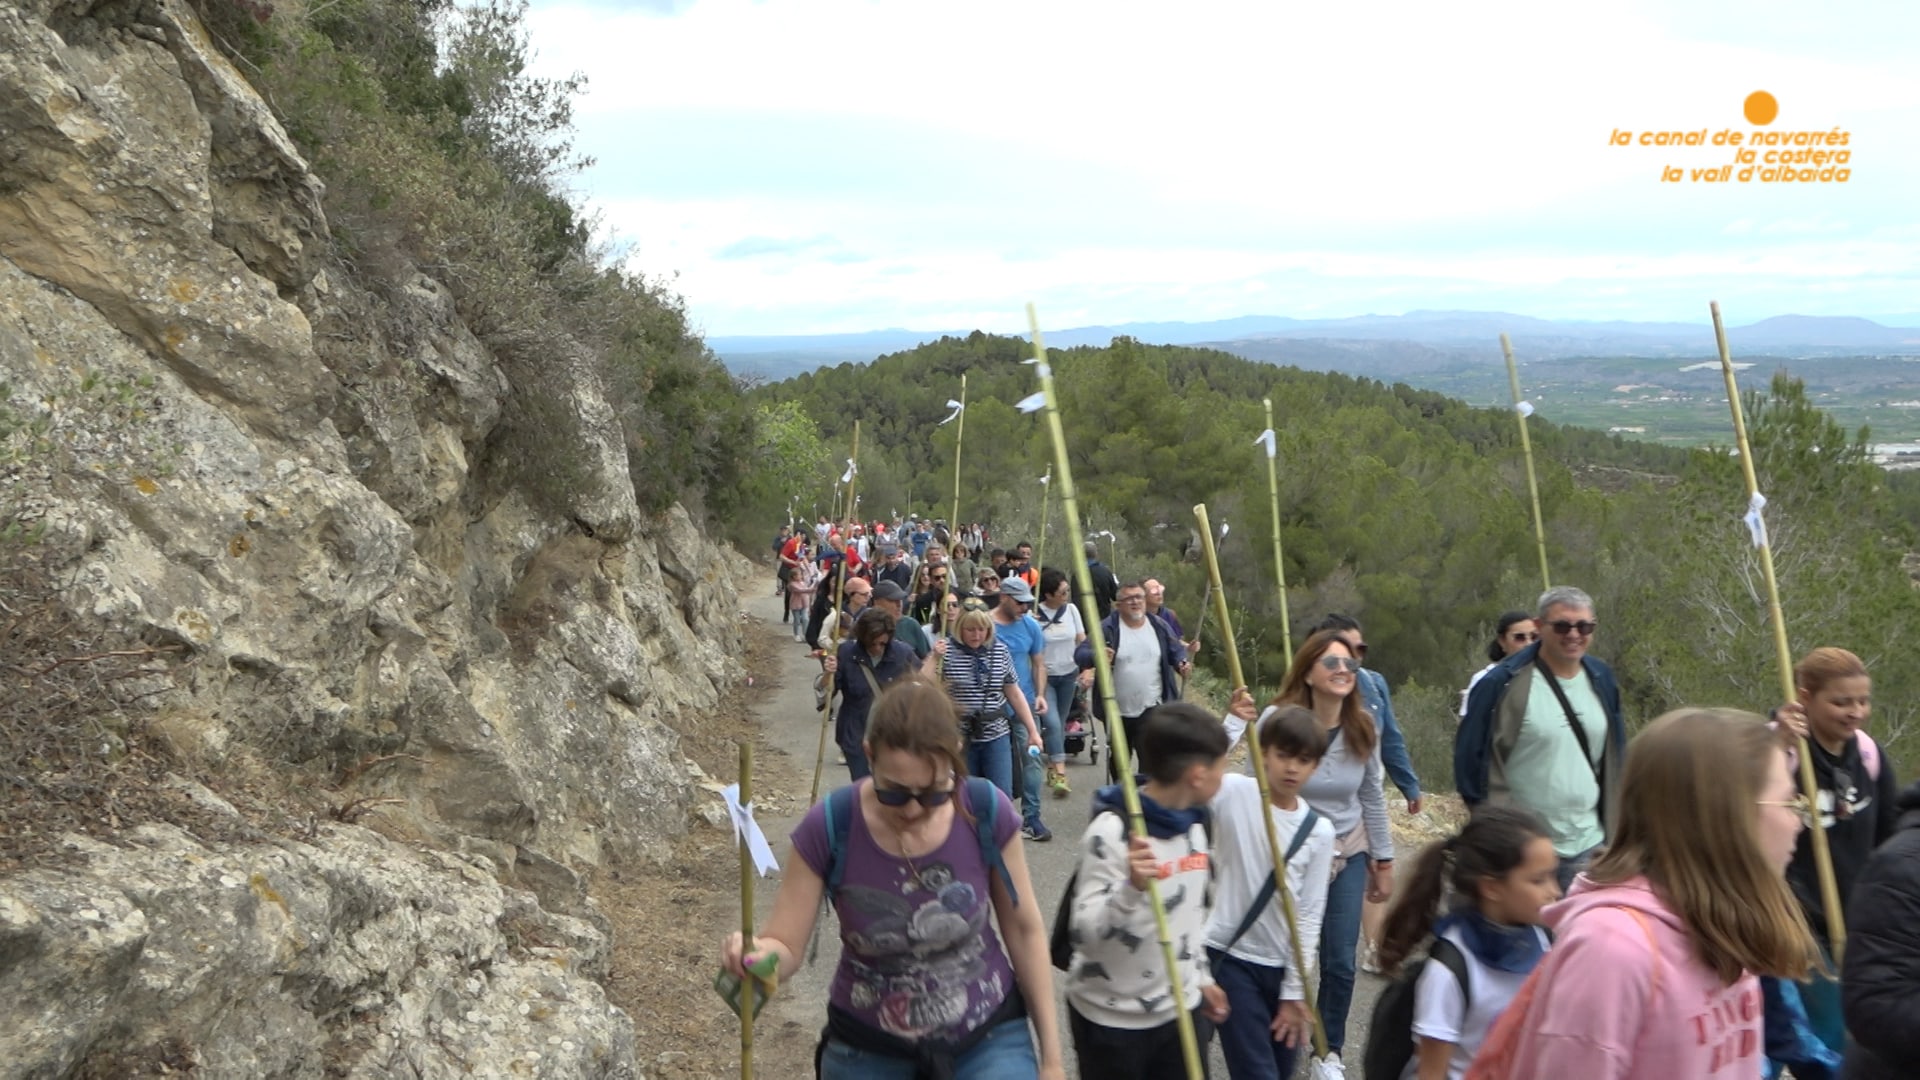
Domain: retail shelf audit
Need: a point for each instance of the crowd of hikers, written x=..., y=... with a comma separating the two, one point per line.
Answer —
x=1612, y=906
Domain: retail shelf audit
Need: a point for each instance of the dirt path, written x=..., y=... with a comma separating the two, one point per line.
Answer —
x=669, y=925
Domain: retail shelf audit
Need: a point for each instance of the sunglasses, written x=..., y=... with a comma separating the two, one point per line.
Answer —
x=1524, y=636
x=897, y=797
x=1336, y=663
x=1562, y=627
x=1801, y=808
x=1132, y=600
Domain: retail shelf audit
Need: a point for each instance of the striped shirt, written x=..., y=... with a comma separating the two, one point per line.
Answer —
x=978, y=680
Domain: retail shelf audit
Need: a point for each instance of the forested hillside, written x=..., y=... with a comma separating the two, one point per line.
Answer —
x=1402, y=507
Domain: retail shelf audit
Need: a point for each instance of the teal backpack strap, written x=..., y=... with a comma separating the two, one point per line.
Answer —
x=983, y=797
x=839, y=821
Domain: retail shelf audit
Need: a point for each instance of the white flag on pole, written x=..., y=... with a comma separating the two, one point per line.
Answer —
x=1756, y=524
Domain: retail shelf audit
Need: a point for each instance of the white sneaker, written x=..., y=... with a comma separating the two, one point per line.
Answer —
x=1327, y=1068
x=1369, y=957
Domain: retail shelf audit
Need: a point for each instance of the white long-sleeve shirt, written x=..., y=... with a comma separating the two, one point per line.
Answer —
x=1242, y=863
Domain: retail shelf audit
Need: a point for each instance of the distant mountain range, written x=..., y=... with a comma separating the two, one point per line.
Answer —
x=1402, y=344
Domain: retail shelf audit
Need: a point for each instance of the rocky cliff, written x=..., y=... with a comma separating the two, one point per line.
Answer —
x=296, y=482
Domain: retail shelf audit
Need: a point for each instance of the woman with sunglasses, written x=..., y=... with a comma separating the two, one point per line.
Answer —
x=1348, y=789
x=980, y=676
x=1516, y=631
x=1657, y=948
x=925, y=985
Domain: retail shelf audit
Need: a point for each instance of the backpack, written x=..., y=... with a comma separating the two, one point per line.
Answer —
x=1869, y=757
x=980, y=796
x=1390, y=1042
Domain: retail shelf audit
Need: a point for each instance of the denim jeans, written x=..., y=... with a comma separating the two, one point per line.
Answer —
x=1053, y=727
x=1005, y=1054
x=1339, y=935
x=990, y=761
x=1246, y=1038
x=1033, y=777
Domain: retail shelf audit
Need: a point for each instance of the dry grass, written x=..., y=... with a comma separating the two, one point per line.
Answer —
x=668, y=920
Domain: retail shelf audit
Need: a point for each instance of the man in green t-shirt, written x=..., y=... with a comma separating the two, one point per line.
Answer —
x=1543, y=730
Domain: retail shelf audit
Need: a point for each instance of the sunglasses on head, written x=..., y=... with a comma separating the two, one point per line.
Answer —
x=1335, y=663
x=893, y=796
x=1563, y=627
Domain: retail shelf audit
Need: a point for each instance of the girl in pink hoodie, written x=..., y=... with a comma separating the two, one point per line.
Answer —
x=1657, y=947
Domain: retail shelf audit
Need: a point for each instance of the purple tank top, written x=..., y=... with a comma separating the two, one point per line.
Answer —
x=918, y=952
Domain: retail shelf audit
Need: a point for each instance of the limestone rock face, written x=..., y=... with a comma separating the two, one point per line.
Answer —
x=247, y=462
x=347, y=956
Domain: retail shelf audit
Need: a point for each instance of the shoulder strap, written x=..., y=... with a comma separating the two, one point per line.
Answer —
x=1573, y=719
x=867, y=670
x=1870, y=756
x=1270, y=886
x=1653, y=947
x=1449, y=956
x=839, y=820
x=986, y=808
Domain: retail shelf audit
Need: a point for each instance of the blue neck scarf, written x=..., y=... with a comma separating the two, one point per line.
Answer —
x=1504, y=948
x=1162, y=823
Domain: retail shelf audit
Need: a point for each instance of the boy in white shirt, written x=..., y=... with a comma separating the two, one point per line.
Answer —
x=1249, y=952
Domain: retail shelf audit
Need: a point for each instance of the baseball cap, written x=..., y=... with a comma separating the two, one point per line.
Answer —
x=1017, y=589
x=887, y=590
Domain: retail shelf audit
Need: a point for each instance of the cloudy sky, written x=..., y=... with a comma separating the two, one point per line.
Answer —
x=820, y=166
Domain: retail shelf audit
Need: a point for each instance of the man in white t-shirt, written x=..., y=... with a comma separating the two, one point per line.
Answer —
x=1146, y=656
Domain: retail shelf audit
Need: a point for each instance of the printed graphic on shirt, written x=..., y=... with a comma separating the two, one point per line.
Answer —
x=1731, y=1026
x=1847, y=794
x=918, y=952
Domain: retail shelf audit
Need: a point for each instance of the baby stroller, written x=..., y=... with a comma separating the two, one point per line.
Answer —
x=1081, y=732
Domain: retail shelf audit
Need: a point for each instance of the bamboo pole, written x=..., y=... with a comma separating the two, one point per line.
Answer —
x=1279, y=559
x=1274, y=850
x=750, y=986
x=1526, y=447
x=946, y=587
x=839, y=592
x=1083, y=577
x=1822, y=855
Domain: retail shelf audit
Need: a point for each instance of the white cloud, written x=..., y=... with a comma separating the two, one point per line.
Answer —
x=928, y=165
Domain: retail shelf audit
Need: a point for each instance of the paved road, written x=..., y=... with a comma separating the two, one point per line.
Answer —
x=790, y=726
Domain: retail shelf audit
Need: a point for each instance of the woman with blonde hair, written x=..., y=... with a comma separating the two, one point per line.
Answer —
x=979, y=674
x=1855, y=803
x=1658, y=946
x=1349, y=791
x=915, y=859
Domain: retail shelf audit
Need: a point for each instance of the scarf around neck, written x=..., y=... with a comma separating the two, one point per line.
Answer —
x=1504, y=948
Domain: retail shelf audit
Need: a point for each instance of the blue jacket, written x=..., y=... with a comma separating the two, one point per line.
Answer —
x=1393, y=745
x=857, y=694
x=1172, y=653
x=1492, y=723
